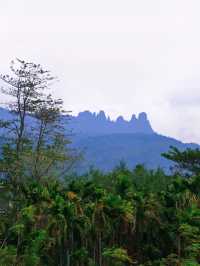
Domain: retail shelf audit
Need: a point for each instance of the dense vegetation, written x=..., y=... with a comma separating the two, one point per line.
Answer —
x=51, y=217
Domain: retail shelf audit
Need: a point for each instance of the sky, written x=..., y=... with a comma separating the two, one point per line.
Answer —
x=120, y=56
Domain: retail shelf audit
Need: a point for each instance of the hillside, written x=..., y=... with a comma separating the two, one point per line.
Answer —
x=105, y=152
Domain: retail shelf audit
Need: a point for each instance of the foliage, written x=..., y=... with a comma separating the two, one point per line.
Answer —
x=187, y=162
x=123, y=217
x=117, y=256
x=94, y=222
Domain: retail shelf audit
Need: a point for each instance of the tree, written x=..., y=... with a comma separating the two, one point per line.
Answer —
x=26, y=86
x=117, y=257
x=186, y=162
x=123, y=217
x=37, y=141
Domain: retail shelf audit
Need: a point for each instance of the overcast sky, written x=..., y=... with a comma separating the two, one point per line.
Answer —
x=122, y=56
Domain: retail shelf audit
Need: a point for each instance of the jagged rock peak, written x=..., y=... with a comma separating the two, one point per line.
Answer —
x=85, y=114
x=99, y=124
x=120, y=119
x=142, y=116
x=133, y=118
x=101, y=115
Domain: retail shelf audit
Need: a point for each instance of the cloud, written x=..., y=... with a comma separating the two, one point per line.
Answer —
x=121, y=56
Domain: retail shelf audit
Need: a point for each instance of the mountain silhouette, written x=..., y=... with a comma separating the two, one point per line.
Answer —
x=98, y=124
x=104, y=143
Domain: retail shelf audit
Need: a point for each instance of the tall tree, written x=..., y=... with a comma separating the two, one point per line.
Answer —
x=186, y=162
x=37, y=141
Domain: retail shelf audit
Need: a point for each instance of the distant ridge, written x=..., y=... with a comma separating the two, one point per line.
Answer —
x=91, y=124
x=105, y=142
x=106, y=151
x=98, y=124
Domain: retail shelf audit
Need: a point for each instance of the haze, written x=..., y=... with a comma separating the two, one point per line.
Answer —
x=122, y=57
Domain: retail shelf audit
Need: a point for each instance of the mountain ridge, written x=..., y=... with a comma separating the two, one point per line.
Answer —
x=105, y=143
x=99, y=124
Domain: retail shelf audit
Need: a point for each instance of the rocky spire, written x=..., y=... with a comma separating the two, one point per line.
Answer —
x=97, y=124
x=101, y=116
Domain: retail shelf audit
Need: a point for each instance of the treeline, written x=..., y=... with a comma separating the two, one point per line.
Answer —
x=51, y=217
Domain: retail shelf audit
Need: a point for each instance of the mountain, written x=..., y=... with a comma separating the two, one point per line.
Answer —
x=93, y=124
x=105, y=152
x=105, y=143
